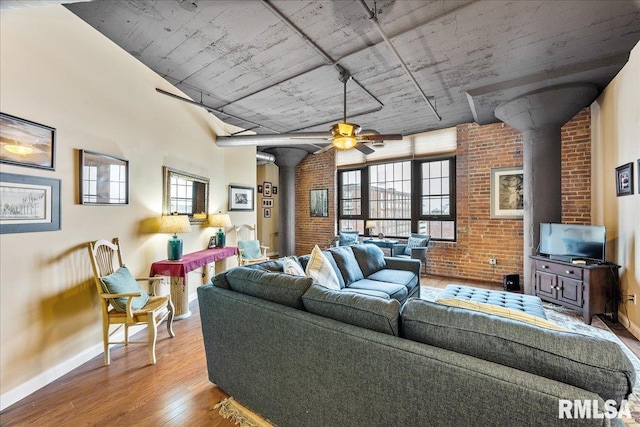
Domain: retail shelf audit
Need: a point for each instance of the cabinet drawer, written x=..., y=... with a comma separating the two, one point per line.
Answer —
x=566, y=270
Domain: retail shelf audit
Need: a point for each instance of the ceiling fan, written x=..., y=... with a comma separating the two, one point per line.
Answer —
x=345, y=135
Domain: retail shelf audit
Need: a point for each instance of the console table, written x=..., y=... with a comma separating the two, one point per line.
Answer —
x=382, y=243
x=587, y=288
x=177, y=271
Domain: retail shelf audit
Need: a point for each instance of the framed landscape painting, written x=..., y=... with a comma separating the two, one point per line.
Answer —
x=28, y=204
x=26, y=143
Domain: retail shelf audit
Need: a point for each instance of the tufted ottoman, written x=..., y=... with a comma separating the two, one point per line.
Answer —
x=528, y=304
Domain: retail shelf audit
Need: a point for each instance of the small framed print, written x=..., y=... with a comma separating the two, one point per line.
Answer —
x=319, y=203
x=506, y=190
x=26, y=143
x=212, y=242
x=624, y=180
x=267, y=212
x=274, y=190
x=240, y=198
x=267, y=203
x=266, y=189
x=259, y=189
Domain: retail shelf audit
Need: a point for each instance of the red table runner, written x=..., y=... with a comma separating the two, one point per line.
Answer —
x=190, y=262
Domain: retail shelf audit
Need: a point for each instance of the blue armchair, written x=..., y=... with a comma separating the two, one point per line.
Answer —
x=416, y=248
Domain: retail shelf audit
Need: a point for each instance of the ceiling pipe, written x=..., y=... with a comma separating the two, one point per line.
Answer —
x=279, y=140
x=263, y=157
x=372, y=16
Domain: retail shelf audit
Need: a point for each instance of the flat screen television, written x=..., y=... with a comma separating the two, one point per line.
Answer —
x=571, y=242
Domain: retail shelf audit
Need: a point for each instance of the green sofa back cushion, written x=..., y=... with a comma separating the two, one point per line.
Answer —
x=275, y=287
x=357, y=309
x=122, y=282
x=347, y=264
x=591, y=363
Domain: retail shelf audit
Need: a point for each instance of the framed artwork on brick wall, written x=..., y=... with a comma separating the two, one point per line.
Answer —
x=507, y=198
x=319, y=203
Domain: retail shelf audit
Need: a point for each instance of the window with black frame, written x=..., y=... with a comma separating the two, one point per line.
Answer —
x=402, y=197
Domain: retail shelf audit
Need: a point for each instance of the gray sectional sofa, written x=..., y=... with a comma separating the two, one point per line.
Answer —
x=304, y=355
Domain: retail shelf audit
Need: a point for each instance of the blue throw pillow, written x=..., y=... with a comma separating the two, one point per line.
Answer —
x=122, y=282
x=348, y=238
x=415, y=242
x=250, y=249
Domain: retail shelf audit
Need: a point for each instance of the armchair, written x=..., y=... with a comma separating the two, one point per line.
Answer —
x=347, y=238
x=416, y=248
x=123, y=301
x=249, y=249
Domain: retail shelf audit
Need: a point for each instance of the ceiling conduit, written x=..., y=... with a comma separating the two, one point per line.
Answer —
x=264, y=158
x=372, y=16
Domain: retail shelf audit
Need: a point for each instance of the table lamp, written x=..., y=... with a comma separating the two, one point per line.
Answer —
x=370, y=225
x=221, y=221
x=174, y=224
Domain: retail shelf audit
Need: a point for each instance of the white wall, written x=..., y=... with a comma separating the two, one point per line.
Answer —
x=616, y=141
x=58, y=71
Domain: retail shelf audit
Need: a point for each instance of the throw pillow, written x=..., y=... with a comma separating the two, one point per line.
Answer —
x=321, y=271
x=415, y=242
x=292, y=266
x=122, y=282
x=348, y=238
x=250, y=249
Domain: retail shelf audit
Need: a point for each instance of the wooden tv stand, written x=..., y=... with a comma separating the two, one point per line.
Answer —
x=587, y=288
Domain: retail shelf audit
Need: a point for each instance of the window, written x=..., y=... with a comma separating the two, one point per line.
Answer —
x=402, y=196
x=186, y=194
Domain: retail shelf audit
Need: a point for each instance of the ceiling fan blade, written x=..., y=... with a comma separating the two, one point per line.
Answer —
x=323, y=149
x=364, y=149
x=375, y=137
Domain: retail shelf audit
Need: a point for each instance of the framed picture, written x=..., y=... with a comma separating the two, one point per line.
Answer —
x=267, y=212
x=266, y=189
x=267, y=203
x=26, y=143
x=212, y=242
x=624, y=180
x=507, y=197
x=274, y=189
x=319, y=202
x=28, y=204
x=240, y=198
x=104, y=179
x=259, y=189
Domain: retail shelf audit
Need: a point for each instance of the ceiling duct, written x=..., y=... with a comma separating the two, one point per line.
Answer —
x=284, y=139
x=263, y=158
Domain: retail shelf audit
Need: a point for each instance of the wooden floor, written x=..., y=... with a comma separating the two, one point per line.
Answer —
x=174, y=392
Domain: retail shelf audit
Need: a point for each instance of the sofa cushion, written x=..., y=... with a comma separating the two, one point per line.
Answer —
x=304, y=261
x=250, y=249
x=321, y=271
x=347, y=264
x=591, y=363
x=369, y=312
x=275, y=287
x=370, y=258
x=371, y=293
x=402, y=277
x=348, y=238
x=270, y=265
x=415, y=242
x=122, y=282
x=394, y=290
x=290, y=265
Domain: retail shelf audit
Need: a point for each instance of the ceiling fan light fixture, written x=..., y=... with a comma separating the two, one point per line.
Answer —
x=344, y=142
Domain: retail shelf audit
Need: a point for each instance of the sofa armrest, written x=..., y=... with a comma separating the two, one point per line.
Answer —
x=399, y=248
x=407, y=264
x=419, y=253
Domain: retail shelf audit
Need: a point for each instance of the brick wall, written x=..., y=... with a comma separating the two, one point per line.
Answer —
x=315, y=172
x=480, y=148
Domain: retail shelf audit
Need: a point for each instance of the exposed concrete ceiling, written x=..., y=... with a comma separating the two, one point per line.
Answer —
x=467, y=57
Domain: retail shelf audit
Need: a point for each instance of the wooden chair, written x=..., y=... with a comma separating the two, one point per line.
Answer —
x=250, y=250
x=106, y=260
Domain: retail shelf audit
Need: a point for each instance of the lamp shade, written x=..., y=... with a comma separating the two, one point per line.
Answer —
x=370, y=224
x=219, y=220
x=175, y=224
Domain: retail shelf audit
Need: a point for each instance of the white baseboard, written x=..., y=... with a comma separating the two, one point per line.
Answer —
x=50, y=375
x=629, y=325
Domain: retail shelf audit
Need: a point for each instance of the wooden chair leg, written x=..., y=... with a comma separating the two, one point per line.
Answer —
x=105, y=341
x=170, y=320
x=153, y=334
x=126, y=334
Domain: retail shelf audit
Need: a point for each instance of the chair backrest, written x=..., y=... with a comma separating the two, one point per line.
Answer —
x=106, y=259
x=246, y=232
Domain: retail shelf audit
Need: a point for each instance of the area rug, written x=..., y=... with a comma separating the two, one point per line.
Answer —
x=242, y=416
x=572, y=321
